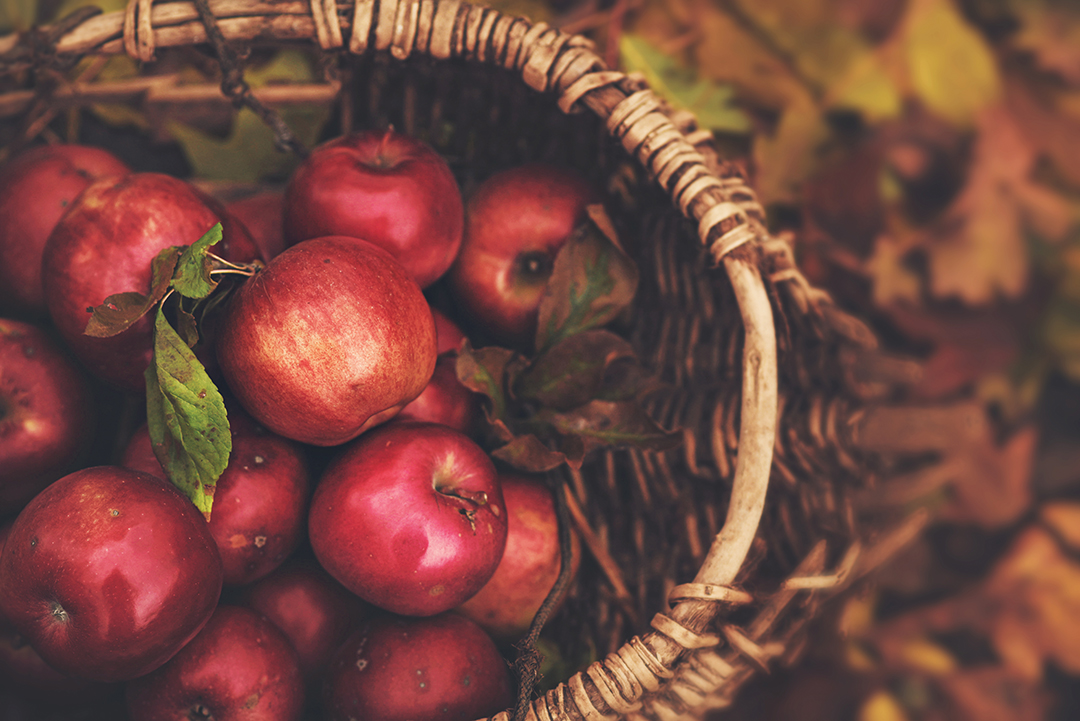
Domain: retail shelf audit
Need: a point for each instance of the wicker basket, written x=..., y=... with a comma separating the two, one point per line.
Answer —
x=699, y=578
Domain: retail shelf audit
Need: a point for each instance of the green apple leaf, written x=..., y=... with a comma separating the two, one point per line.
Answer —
x=572, y=372
x=120, y=311
x=607, y=423
x=192, y=278
x=592, y=281
x=186, y=418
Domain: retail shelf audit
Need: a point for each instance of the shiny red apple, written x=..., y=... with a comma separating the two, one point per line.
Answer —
x=315, y=611
x=405, y=669
x=46, y=413
x=506, y=605
x=385, y=187
x=108, y=572
x=240, y=667
x=36, y=187
x=410, y=518
x=331, y=339
x=105, y=244
x=515, y=224
x=260, y=502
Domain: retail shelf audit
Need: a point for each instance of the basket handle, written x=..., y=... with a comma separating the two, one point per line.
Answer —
x=728, y=216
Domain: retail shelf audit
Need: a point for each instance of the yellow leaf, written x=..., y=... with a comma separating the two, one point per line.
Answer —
x=882, y=706
x=951, y=65
x=1037, y=587
x=1064, y=518
x=866, y=87
x=789, y=156
x=893, y=281
x=726, y=52
x=923, y=655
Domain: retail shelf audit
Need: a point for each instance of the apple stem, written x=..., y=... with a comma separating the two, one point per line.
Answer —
x=480, y=498
x=248, y=269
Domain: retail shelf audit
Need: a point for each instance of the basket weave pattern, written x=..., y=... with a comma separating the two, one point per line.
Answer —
x=692, y=659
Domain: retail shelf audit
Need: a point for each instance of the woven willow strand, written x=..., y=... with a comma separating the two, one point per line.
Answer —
x=564, y=65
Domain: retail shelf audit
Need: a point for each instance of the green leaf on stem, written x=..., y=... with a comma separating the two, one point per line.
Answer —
x=591, y=283
x=572, y=372
x=121, y=310
x=186, y=418
x=192, y=278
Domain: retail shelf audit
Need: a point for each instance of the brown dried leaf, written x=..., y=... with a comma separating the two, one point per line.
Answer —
x=571, y=372
x=978, y=251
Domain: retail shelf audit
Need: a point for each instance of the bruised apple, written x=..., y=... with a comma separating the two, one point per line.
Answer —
x=108, y=572
x=36, y=187
x=402, y=669
x=105, y=244
x=331, y=339
x=385, y=187
x=410, y=518
x=515, y=224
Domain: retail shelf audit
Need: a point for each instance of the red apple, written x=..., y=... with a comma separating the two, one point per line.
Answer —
x=36, y=188
x=401, y=669
x=506, y=605
x=263, y=215
x=314, y=611
x=448, y=335
x=331, y=339
x=105, y=243
x=240, y=667
x=410, y=518
x=46, y=413
x=389, y=189
x=109, y=572
x=515, y=224
x=445, y=400
x=260, y=503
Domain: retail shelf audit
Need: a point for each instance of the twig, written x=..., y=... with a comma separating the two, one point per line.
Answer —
x=235, y=87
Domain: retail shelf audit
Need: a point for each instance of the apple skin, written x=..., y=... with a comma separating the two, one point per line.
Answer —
x=447, y=332
x=263, y=214
x=46, y=413
x=260, y=501
x=410, y=518
x=108, y=572
x=105, y=243
x=387, y=188
x=507, y=603
x=240, y=667
x=314, y=611
x=25, y=675
x=442, y=668
x=36, y=188
x=333, y=327
x=515, y=224
x=445, y=400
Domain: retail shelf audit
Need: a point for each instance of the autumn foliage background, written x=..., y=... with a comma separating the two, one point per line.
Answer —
x=923, y=158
